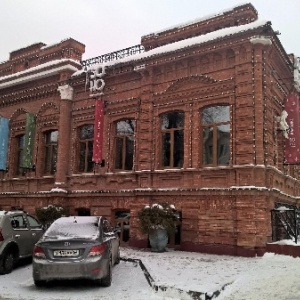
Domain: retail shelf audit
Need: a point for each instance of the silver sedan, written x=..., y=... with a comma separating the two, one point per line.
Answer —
x=76, y=247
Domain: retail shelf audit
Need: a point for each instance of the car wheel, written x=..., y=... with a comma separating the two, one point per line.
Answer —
x=7, y=263
x=106, y=281
x=39, y=283
x=118, y=257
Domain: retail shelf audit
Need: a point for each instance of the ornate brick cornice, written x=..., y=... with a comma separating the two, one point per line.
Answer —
x=191, y=81
x=47, y=121
x=83, y=118
x=46, y=106
x=190, y=86
x=17, y=113
x=27, y=95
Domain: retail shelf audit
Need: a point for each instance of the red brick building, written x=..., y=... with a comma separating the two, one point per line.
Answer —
x=194, y=120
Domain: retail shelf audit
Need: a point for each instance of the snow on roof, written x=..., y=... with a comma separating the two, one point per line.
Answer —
x=56, y=44
x=35, y=46
x=10, y=212
x=183, y=44
x=39, y=67
x=58, y=190
x=191, y=22
x=36, y=72
x=283, y=208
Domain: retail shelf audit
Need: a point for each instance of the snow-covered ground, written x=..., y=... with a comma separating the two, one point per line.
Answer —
x=173, y=274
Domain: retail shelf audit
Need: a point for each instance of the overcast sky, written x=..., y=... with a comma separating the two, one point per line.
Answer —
x=108, y=25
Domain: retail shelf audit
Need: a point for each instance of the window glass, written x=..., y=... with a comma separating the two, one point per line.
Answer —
x=51, y=139
x=73, y=230
x=124, y=144
x=215, y=114
x=216, y=135
x=125, y=127
x=86, y=136
x=19, y=222
x=166, y=144
x=33, y=222
x=87, y=132
x=172, y=137
x=118, y=153
x=172, y=120
x=21, y=145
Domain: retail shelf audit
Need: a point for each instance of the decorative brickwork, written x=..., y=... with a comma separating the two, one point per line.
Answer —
x=224, y=179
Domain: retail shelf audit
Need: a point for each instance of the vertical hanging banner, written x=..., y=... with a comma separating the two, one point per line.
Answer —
x=98, y=131
x=292, y=141
x=29, y=141
x=4, y=133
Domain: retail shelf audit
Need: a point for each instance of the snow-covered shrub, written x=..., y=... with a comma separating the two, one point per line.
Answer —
x=47, y=215
x=158, y=216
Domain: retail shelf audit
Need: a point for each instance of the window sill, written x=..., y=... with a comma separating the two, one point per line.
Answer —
x=170, y=169
x=83, y=174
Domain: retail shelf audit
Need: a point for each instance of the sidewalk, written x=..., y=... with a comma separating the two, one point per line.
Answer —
x=186, y=275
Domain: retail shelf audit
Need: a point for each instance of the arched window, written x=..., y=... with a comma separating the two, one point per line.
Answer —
x=216, y=135
x=86, y=136
x=124, y=144
x=51, y=138
x=172, y=137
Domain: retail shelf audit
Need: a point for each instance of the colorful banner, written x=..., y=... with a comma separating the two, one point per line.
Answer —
x=292, y=142
x=29, y=141
x=4, y=133
x=98, y=131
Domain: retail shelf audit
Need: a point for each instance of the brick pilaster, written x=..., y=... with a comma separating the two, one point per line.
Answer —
x=64, y=127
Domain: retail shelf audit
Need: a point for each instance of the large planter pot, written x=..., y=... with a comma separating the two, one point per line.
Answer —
x=158, y=240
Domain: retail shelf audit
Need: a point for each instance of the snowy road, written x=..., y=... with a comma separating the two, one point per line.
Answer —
x=174, y=274
x=129, y=282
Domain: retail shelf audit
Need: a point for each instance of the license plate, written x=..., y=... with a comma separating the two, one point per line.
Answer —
x=64, y=253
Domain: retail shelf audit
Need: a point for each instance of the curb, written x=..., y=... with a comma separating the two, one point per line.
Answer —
x=193, y=294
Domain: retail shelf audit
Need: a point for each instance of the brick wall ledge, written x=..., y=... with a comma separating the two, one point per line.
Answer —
x=291, y=250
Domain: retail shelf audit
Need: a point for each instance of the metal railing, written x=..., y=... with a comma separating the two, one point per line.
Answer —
x=285, y=223
x=113, y=55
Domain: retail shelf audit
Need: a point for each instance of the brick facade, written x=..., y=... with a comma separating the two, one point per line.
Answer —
x=224, y=208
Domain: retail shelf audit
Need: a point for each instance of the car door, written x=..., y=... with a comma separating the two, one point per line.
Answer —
x=22, y=235
x=36, y=229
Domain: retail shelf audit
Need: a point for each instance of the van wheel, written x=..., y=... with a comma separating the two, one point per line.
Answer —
x=7, y=263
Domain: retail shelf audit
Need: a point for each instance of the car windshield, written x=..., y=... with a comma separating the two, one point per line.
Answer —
x=75, y=228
